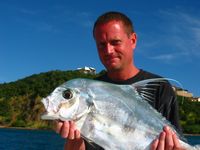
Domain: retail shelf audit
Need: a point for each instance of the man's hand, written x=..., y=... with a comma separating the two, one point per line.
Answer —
x=166, y=141
x=67, y=129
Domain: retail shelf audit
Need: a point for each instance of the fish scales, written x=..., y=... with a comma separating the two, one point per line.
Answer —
x=113, y=116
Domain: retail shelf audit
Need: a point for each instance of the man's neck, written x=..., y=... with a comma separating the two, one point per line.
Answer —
x=121, y=75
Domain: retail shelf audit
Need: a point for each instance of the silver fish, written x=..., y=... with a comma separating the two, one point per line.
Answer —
x=116, y=117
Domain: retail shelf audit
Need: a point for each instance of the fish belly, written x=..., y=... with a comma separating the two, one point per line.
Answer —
x=111, y=135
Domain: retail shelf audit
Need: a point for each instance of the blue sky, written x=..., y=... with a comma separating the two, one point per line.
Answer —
x=42, y=35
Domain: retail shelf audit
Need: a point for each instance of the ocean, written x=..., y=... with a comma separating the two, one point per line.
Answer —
x=20, y=139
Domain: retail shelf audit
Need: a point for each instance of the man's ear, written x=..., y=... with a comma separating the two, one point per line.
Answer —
x=133, y=38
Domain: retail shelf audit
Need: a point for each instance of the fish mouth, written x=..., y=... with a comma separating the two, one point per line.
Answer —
x=64, y=111
x=49, y=116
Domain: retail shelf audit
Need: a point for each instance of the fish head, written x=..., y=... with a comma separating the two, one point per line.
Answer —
x=69, y=101
x=61, y=104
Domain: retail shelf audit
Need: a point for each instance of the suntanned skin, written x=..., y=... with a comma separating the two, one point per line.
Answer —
x=116, y=49
x=68, y=130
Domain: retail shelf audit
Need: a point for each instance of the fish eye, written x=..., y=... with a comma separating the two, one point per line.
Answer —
x=67, y=94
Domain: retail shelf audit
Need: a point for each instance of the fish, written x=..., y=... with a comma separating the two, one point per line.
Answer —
x=112, y=116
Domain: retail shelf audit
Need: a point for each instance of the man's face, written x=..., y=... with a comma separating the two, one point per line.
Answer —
x=114, y=46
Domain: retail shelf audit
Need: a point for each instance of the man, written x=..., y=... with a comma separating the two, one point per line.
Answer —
x=116, y=41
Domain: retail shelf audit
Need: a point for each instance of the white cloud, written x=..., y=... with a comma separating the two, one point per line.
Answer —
x=168, y=58
x=176, y=36
x=79, y=18
x=164, y=57
x=184, y=31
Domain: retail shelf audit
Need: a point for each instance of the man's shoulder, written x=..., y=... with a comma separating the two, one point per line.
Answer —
x=102, y=77
x=147, y=75
x=141, y=75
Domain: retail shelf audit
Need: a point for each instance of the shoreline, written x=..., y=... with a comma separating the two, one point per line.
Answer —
x=26, y=128
x=22, y=128
x=189, y=134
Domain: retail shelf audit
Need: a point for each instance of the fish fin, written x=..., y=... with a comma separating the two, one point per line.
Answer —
x=154, y=81
x=88, y=141
x=95, y=105
x=146, y=88
x=92, y=98
x=85, y=112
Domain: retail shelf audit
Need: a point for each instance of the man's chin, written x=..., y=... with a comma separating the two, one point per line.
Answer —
x=112, y=68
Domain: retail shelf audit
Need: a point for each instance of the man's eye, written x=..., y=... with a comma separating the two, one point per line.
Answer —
x=116, y=42
x=101, y=44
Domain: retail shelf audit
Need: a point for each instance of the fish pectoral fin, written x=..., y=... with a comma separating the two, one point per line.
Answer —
x=88, y=140
x=85, y=112
x=95, y=105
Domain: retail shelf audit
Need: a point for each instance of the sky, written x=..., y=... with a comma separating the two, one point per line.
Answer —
x=44, y=35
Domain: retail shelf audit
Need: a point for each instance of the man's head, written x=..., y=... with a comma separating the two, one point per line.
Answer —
x=117, y=16
x=115, y=40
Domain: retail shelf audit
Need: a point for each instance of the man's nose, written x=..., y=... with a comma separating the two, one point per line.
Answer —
x=109, y=49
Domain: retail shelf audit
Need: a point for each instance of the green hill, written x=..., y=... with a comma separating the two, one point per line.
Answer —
x=20, y=101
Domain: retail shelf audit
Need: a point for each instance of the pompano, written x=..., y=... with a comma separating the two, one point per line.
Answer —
x=113, y=116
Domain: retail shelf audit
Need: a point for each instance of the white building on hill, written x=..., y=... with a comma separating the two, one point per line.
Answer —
x=87, y=70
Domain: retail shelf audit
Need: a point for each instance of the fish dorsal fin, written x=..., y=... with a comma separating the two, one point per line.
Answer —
x=147, y=87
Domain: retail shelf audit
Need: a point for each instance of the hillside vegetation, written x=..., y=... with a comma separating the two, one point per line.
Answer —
x=20, y=101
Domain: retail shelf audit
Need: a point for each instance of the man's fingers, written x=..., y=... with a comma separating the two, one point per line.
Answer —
x=161, y=143
x=177, y=144
x=77, y=134
x=169, y=144
x=154, y=144
x=58, y=126
x=71, y=130
x=65, y=129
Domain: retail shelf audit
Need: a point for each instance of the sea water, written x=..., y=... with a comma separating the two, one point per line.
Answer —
x=20, y=139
